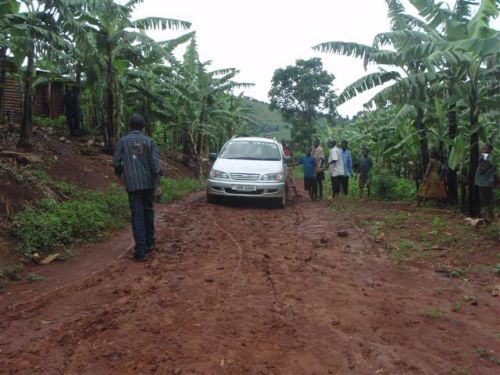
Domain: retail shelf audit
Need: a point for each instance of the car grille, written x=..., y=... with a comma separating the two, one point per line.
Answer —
x=245, y=176
x=236, y=192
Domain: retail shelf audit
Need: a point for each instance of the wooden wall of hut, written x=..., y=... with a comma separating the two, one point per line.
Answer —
x=48, y=98
x=12, y=104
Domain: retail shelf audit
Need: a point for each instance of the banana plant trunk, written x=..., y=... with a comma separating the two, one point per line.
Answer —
x=79, y=122
x=27, y=120
x=3, y=75
x=109, y=127
x=452, y=174
x=422, y=137
x=201, y=133
x=473, y=198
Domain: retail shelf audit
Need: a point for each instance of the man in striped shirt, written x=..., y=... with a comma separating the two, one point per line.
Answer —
x=136, y=159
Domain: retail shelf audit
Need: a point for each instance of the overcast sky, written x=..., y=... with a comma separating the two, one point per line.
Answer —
x=257, y=37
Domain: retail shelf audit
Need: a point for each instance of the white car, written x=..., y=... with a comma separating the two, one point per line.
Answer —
x=249, y=167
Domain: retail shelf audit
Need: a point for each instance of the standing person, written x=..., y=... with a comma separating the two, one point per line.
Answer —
x=485, y=180
x=290, y=179
x=309, y=164
x=336, y=167
x=69, y=106
x=319, y=155
x=432, y=186
x=136, y=157
x=347, y=162
x=365, y=165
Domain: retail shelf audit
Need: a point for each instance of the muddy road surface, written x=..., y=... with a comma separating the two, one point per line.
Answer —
x=242, y=289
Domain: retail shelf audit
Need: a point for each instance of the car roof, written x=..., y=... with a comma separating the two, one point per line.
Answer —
x=253, y=139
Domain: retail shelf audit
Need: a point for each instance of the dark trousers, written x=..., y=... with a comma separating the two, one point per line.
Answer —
x=143, y=217
x=73, y=123
x=344, y=184
x=310, y=186
x=336, y=185
x=320, y=176
x=488, y=202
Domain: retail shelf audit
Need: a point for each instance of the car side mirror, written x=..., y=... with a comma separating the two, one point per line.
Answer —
x=212, y=156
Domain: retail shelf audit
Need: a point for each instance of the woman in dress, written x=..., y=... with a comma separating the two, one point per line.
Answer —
x=432, y=186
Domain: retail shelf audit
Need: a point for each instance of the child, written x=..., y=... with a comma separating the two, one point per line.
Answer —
x=309, y=164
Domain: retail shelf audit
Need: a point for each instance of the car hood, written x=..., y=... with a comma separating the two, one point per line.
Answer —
x=248, y=166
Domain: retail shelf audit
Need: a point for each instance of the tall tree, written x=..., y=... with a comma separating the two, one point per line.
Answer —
x=300, y=92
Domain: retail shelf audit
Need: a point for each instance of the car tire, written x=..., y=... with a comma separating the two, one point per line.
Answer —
x=281, y=202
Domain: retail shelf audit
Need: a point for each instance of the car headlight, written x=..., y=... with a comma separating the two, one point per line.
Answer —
x=272, y=177
x=218, y=174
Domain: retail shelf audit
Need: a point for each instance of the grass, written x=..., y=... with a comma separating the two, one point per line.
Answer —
x=433, y=314
x=48, y=224
x=175, y=189
x=34, y=277
x=496, y=269
x=9, y=272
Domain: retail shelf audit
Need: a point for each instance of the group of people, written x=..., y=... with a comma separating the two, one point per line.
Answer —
x=339, y=166
x=434, y=187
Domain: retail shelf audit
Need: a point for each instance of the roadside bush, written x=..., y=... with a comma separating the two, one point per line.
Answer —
x=48, y=224
x=389, y=187
x=59, y=122
x=174, y=189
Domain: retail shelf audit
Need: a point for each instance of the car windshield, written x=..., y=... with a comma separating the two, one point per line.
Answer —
x=251, y=150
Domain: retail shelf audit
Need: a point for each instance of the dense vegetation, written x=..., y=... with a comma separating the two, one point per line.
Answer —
x=444, y=70
x=117, y=70
x=441, y=73
x=441, y=70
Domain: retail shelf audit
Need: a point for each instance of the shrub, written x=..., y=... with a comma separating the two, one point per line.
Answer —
x=49, y=224
x=389, y=187
x=174, y=189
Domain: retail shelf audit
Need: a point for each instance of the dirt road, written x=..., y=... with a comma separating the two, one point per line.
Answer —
x=238, y=289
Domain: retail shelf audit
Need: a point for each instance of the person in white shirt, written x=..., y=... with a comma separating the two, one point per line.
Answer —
x=336, y=167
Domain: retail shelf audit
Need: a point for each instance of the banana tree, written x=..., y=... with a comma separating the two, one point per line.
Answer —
x=408, y=76
x=32, y=31
x=474, y=48
x=114, y=34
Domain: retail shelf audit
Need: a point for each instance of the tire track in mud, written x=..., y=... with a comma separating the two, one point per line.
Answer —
x=242, y=289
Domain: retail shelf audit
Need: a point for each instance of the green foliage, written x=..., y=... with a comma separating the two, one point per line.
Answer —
x=389, y=187
x=433, y=313
x=300, y=92
x=49, y=122
x=11, y=272
x=34, y=277
x=49, y=224
x=65, y=189
x=496, y=269
x=174, y=189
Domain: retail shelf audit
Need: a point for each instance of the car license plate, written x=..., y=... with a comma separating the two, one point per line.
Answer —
x=244, y=187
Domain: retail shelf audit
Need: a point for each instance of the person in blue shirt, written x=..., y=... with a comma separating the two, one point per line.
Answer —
x=309, y=164
x=136, y=159
x=347, y=161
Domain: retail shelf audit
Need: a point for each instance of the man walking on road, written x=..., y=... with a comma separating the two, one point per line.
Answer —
x=136, y=158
